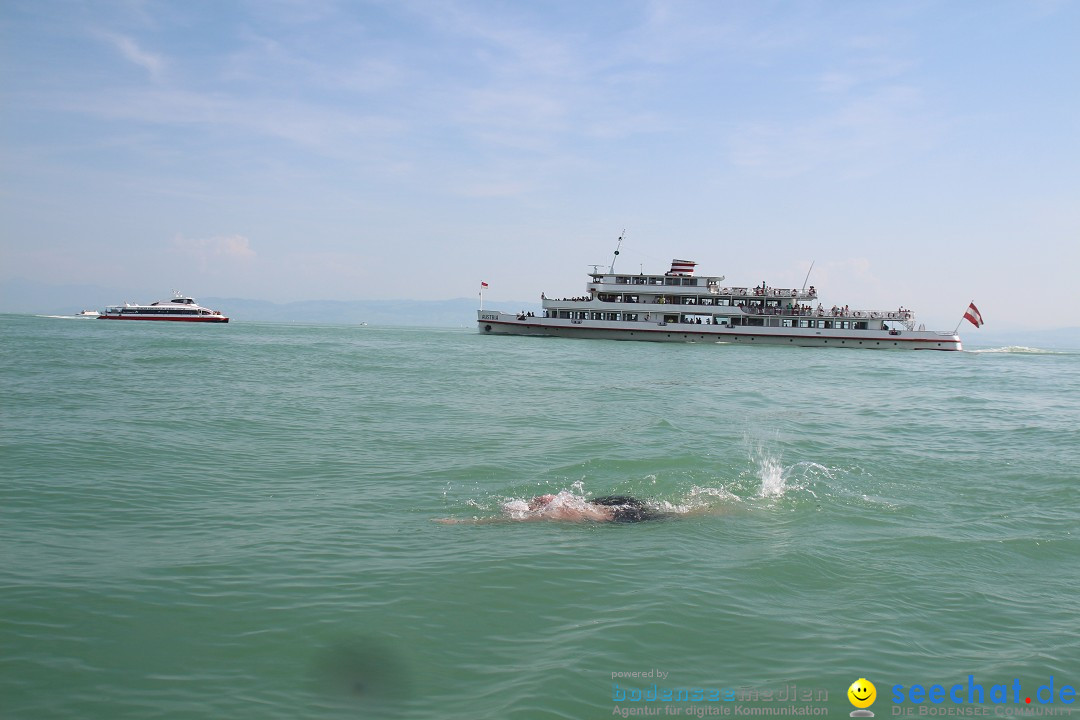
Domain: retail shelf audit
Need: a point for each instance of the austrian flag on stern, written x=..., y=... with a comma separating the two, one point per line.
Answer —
x=973, y=315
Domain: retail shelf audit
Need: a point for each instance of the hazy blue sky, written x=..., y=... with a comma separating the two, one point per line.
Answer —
x=922, y=153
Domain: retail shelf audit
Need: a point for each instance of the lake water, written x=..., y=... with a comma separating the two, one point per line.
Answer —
x=239, y=522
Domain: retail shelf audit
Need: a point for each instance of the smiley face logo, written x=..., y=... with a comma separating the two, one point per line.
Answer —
x=862, y=693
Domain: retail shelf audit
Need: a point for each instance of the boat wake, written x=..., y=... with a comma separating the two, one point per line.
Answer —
x=1019, y=350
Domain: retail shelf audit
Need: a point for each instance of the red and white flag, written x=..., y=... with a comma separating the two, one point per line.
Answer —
x=484, y=285
x=973, y=315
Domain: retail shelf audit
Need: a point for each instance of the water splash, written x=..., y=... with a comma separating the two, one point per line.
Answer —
x=773, y=477
x=775, y=480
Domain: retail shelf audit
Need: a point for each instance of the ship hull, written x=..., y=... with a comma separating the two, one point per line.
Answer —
x=495, y=323
x=194, y=318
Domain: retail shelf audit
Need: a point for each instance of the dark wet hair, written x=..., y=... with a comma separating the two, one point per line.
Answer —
x=627, y=509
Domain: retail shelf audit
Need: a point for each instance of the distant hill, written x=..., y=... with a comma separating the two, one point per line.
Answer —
x=459, y=312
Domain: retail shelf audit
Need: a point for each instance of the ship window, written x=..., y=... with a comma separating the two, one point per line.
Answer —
x=671, y=281
x=860, y=325
x=630, y=316
x=788, y=322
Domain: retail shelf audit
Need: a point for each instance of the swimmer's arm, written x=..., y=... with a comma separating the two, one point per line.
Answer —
x=470, y=521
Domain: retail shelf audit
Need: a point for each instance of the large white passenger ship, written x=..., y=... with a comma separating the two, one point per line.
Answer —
x=678, y=306
x=177, y=309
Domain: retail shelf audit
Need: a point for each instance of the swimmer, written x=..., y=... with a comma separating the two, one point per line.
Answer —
x=611, y=508
x=566, y=506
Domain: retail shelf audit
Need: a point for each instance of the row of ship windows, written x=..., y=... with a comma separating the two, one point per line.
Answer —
x=653, y=280
x=159, y=311
x=786, y=322
x=675, y=300
x=695, y=300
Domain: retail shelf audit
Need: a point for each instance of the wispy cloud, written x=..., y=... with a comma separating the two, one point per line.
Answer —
x=153, y=64
x=205, y=251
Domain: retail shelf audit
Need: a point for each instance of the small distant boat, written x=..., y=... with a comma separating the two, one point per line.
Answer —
x=88, y=313
x=178, y=309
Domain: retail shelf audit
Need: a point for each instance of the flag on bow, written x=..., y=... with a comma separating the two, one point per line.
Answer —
x=973, y=315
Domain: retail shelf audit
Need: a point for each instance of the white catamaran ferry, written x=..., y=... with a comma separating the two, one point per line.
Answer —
x=177, y=309
x=678, y=306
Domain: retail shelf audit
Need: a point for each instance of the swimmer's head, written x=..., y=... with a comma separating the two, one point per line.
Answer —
x=540, y=501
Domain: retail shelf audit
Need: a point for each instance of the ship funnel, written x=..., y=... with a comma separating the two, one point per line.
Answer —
x=682, y=267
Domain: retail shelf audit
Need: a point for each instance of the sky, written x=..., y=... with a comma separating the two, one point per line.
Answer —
x=917, y=153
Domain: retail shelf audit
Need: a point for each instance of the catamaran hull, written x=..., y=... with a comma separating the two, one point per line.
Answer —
x=202, y=319
x=506, y=324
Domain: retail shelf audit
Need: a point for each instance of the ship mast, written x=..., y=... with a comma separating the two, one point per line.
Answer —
x=616, y=255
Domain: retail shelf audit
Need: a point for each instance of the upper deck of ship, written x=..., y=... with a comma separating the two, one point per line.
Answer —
x=690, y=285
